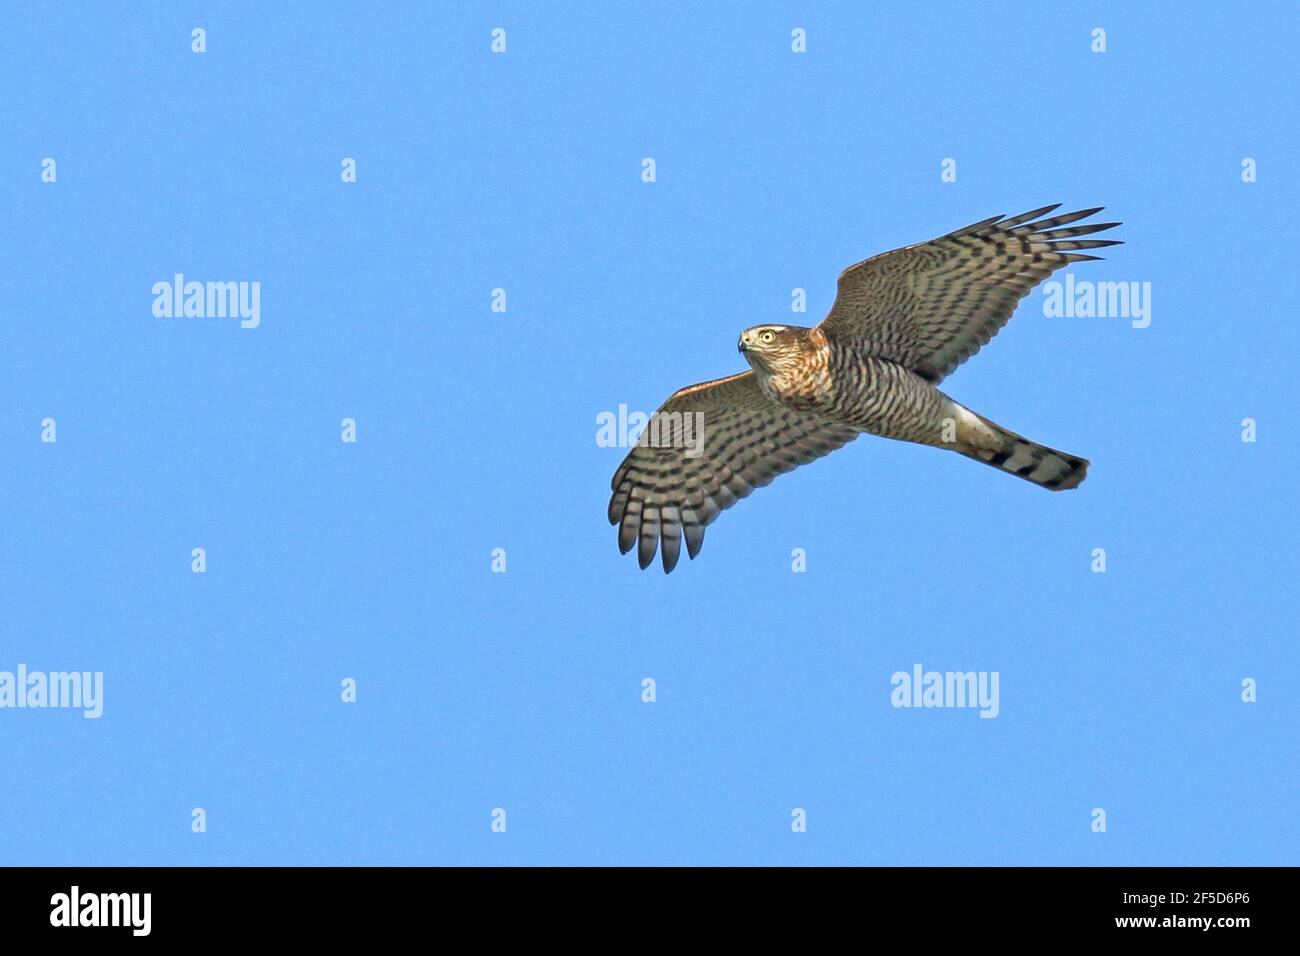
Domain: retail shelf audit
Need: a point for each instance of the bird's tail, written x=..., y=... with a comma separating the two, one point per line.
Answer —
x=986, y=441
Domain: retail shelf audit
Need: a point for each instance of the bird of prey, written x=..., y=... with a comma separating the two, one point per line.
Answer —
x=901, y=322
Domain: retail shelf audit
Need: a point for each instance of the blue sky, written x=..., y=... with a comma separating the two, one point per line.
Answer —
x=476, y=430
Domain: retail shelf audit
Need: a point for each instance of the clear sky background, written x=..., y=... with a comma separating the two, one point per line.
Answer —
x=477, y=430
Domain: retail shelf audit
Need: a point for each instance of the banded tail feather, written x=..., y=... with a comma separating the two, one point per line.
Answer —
x=994, y=445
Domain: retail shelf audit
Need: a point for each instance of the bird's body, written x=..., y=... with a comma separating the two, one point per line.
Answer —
x=901, y=322
x=866, y=393
x=880, y=397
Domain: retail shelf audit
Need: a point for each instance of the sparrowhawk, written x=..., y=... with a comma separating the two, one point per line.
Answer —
x=901, y=322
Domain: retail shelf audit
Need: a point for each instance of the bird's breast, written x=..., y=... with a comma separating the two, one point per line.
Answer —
x=805, y=390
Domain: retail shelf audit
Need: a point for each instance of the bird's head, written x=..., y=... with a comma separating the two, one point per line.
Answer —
x=771, y=348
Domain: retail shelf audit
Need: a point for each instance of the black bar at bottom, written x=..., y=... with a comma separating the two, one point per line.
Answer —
x=334, y=905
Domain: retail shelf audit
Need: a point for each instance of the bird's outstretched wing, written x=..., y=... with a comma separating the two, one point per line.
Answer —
x=665, y=491
x=931, y=306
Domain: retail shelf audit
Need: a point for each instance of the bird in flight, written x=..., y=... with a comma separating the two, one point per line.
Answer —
x=901, y=322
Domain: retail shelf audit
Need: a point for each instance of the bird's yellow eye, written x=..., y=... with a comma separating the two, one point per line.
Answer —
x=767, y=336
